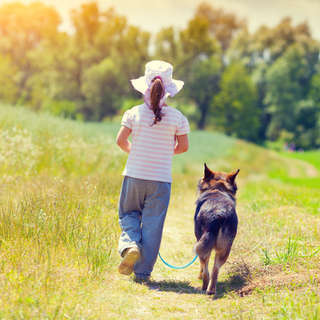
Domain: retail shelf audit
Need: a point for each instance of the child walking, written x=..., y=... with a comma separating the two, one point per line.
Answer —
x=158, y=132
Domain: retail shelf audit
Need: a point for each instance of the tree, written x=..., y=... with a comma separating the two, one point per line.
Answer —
x=282, y=61
x=309, y=116
x=106, y=36
x=200, y=66
x=86, y=21
x=132, y=53
x=167, y=45
x=202, y=83
x=9, y=78
x=56, y=73
x=288, y=81
x=235, y=107
x=268, y=44
x=22, y=29
x=314, y=89
x=307, y=130
x=102, y=89
x=203, y=45
x=223, y=26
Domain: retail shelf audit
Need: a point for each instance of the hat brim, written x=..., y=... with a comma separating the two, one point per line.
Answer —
x=140, y=84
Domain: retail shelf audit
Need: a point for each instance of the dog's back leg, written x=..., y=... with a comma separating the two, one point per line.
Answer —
x=219, y=260
x=204, y=271
x=203, y=249
x=201, y=272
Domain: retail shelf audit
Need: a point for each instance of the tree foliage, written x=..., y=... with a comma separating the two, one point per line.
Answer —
x=234, y=108
x=223, y=26
x=258, y=86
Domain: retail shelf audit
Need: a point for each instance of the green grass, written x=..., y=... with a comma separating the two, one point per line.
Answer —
x=59, y=228
x=285, y=255
x=312, y=157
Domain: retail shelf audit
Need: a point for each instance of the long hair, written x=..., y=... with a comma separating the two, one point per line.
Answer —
x=156, y=93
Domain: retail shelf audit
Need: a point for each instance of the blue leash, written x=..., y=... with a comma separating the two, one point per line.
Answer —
x=177, y=268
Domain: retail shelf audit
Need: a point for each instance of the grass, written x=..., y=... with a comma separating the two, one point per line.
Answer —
x=59, y=228
x=286, y=255
x=312, y=157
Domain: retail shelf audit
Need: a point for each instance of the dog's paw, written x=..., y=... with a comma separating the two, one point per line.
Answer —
x=210, y=292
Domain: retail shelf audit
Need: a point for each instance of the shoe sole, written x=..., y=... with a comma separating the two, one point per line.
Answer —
x=127, y=264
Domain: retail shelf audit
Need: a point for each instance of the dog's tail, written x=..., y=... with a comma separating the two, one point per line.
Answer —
x=205, y=244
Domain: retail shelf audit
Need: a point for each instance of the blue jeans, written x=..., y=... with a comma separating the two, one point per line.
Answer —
x=142, y=210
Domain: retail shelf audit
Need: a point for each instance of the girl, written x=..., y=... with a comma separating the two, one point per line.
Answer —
x=158, y=131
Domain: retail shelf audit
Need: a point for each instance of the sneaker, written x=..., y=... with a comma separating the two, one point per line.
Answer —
x=131, y=256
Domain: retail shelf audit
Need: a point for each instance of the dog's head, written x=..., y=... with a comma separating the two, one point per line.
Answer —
x=222, y=181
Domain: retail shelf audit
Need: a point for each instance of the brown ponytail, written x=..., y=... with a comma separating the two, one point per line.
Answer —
x=156, y=93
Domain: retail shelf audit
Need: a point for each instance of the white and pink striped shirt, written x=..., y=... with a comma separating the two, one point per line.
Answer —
x=152, y=146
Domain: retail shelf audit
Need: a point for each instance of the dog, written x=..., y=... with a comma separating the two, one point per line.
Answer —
x=215, y=222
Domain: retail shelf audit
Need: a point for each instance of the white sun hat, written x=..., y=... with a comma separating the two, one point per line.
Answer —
x=161, y=69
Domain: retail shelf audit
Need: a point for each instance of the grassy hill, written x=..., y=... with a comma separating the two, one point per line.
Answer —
x=59, y=228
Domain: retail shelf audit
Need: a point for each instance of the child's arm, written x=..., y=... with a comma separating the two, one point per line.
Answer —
x=122, y=139
x=182, y=144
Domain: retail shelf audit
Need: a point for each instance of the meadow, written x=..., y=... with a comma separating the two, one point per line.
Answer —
x=60, y=183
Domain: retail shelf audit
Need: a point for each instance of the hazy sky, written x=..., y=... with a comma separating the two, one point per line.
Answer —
x=151, y=15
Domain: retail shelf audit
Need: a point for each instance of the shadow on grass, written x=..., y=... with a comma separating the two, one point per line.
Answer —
x=233, y=284
x=173, y=286
x=240, y=275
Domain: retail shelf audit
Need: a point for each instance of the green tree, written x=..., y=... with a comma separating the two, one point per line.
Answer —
x=200, y=66
x=56, y=75
x=282, y=60
x=86, y=21
x=314, y=90
x=203, y=44
x=310, y=115
x=307, y=131
x=105, y=36
x=167, y=45
x=288, y=81
x=235, y=107
x=63, y=65
x=9, y=78
x=268, y=44
x=102, y=89
x=202, y=83
x=22, y=29
x=223, y=26
x=132, y=52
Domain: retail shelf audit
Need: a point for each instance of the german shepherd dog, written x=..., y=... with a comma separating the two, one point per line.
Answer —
x=216, y=222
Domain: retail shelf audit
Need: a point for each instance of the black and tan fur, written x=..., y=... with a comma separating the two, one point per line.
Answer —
x=216, y=222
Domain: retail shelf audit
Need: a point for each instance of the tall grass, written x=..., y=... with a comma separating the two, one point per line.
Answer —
x=285, y=255
x=58, y=213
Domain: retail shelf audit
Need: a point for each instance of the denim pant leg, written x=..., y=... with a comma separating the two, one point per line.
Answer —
x=153, y=216
x=130, y=208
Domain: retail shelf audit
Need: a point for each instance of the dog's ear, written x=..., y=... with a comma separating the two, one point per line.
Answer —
x=232, y=176
x=208, y=174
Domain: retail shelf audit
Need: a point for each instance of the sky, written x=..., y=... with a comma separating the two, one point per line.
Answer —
x=152, y=15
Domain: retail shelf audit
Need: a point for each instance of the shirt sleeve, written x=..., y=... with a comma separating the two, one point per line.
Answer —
x=127, y=119
x=183, y=126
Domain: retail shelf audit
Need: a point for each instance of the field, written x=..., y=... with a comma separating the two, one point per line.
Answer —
x=59, y=228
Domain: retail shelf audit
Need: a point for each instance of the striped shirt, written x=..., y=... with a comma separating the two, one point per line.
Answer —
x=152, y=146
